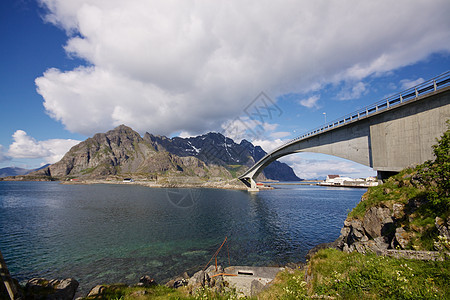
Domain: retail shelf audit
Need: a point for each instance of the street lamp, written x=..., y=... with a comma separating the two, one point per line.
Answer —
x=325, y=115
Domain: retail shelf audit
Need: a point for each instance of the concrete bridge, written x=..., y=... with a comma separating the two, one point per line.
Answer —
x=388, y=136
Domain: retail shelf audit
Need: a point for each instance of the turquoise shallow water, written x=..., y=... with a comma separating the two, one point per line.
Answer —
x=117, y=233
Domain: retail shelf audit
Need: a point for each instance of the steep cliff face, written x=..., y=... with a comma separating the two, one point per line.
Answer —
x=123, y=151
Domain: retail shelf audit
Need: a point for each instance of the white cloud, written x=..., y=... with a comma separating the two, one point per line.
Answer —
x=280, y=134
x=50, y=151
x=311, y=102
x=406, y=83
x=308, y=166
x=168, y=66
x=352, y=91
x=269, y=145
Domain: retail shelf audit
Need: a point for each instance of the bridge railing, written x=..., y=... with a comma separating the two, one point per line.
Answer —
x=424, y=88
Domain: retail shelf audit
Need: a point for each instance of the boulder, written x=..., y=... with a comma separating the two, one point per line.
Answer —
x=199, y=279
x=41, y=288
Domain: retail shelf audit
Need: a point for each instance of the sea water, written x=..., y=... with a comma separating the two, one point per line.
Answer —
x=119, y=232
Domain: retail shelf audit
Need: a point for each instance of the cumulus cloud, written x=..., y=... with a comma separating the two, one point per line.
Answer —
x=311, y=102
x=269, y=144
x=50, y=151
x=407, y=83
x=170, y=66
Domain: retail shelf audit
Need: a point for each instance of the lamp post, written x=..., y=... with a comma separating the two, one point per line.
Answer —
x=325, y=115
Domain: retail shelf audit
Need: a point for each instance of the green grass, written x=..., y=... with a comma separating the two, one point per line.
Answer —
x=123, y=292
x=233, y=169
x=356, y=276
x=397, y=189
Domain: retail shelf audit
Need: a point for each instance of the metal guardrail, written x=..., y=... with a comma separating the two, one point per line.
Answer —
x=424, y=88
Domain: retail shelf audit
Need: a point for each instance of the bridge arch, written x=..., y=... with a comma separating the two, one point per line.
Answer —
x=388, y=136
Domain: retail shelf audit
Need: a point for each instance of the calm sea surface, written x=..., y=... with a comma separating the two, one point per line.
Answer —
x=117, y=233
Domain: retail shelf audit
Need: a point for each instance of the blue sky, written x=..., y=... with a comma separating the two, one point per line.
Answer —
x=70, y=69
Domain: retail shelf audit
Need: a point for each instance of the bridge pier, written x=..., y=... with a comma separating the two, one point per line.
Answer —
x=250, y=183
x=253, y=187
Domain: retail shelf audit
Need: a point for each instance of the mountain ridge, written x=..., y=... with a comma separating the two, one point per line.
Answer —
x=123, y=152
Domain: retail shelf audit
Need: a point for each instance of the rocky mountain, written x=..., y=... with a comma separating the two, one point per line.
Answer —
x=124, y=152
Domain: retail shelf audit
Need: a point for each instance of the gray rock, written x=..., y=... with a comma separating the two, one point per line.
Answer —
x=178, y=281
x=357, y=225
x=41, y=288
x=96, y=291
x=201, y=278
x=345, y=230
x=211, y=270
x=377, y=221
x=355, y=235
x=401, y=238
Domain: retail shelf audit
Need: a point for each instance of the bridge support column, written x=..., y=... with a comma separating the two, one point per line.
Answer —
x=253, y=187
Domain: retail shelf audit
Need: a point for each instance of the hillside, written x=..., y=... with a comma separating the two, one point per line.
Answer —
x=123, y=152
